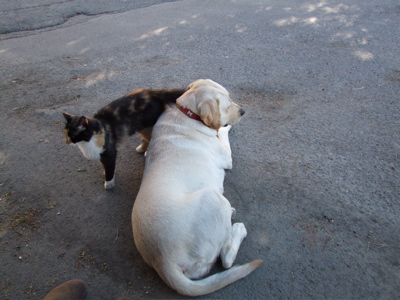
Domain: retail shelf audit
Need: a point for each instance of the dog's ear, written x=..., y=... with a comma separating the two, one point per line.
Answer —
x=209, y=113
x=68, y=117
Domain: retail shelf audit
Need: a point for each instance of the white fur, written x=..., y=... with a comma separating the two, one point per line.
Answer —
x=181, y=221
x=89, y=149
x=141, y=148
x=109, y=184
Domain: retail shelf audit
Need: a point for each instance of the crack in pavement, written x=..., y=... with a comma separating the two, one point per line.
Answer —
x=17, y=20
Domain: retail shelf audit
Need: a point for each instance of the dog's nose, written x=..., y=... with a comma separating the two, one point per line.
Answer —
x=242, y=111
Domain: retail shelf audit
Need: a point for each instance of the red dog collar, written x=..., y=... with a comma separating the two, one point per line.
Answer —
x=189, y=113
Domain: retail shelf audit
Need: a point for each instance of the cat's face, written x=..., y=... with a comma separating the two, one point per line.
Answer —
x=77, y=129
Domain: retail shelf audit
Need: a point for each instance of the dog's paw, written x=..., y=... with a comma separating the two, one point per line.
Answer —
x=109, y=184
x=238, y=230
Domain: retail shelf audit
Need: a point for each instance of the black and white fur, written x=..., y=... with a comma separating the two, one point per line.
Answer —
x=100, y=136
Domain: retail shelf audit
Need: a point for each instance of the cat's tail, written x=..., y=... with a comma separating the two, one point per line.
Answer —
x=168, y=96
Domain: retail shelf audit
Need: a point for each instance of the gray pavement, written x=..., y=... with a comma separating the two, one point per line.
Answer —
x=20, y=17
x=316, y=156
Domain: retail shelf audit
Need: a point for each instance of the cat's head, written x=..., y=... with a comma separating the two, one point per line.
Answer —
x=77, y=128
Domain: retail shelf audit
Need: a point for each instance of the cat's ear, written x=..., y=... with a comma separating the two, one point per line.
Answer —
x=67, y=116
x=83, y=122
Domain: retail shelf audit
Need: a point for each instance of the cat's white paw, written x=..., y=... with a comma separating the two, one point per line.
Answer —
x=141, y=149
x=109, y=184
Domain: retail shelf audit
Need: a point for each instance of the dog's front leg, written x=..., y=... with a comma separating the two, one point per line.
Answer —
x=226, y=153
x=224, y=138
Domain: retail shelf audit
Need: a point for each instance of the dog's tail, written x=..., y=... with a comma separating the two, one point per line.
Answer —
x=168, y=96
x=185, y=286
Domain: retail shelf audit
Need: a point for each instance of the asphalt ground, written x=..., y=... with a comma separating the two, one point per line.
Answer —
x=316, y=156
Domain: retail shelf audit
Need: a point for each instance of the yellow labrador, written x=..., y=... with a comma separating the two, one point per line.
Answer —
x=181, y=220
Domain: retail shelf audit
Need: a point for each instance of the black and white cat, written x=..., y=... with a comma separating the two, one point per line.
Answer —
x=99, y=137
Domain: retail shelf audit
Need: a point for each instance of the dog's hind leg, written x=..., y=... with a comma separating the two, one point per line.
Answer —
x=233, y=216
x=231, y=248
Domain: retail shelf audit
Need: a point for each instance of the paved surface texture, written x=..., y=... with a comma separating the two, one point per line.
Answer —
x=27, y=15
x=316, y=156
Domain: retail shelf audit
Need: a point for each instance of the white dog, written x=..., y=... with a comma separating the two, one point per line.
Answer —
x=181, y=221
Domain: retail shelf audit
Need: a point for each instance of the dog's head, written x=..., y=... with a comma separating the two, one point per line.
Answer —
x=211, y=102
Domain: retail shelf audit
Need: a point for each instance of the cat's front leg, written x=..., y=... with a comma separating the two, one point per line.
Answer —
x=108, y=185
x=108, y=160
